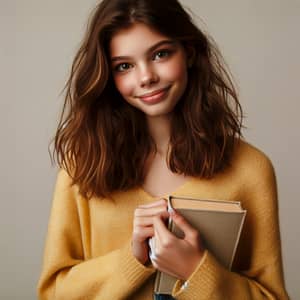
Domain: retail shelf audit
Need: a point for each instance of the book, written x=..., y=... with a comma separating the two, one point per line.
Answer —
x=220, y=224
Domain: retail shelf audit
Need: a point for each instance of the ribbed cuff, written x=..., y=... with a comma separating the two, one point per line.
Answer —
x=134, y=272
x=204, y=280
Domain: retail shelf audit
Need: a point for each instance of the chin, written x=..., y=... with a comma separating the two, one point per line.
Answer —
x=158, y=113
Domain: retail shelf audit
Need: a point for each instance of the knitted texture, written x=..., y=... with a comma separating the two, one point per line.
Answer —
x=88, y=247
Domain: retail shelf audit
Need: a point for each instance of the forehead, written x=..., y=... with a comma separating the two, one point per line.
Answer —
x=138, y=38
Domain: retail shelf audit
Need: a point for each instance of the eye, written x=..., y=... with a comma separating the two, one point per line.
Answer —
x=161, y=54
x=122, y=67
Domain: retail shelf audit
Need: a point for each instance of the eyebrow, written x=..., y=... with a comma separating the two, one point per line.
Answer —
x=151, y=49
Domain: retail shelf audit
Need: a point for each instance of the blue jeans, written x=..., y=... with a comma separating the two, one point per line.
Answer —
x=163, y=297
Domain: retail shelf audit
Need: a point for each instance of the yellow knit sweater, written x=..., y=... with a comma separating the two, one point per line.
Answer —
x=88, y=254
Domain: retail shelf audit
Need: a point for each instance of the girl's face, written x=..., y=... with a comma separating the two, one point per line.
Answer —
x=149, y=69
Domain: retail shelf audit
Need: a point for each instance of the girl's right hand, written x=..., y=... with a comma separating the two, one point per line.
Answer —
x=143, y=227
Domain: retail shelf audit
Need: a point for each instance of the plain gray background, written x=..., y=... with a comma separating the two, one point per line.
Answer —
x=260, y=41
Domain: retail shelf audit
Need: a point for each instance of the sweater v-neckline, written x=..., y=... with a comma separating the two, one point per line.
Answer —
x=167, y=194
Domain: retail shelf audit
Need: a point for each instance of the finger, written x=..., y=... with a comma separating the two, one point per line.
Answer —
x=188, y=230
x=140, y=234
x=143, y=221
x=148, y=212
x=148, y=220
x=160, y=230
x=153, y=204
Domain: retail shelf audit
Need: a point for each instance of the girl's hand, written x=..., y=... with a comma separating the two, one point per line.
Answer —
x=143, y=227
x=174, y=256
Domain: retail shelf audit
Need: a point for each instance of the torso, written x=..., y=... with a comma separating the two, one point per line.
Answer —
x=160, y=180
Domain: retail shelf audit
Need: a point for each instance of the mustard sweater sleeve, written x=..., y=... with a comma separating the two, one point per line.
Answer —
x=260, y=247
x=66, y=274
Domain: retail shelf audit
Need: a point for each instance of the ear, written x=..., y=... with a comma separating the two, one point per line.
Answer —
x=190, y=55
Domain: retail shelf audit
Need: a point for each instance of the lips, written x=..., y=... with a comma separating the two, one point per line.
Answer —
x=155, y=96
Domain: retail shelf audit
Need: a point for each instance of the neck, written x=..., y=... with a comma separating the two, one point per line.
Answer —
x=159, y=128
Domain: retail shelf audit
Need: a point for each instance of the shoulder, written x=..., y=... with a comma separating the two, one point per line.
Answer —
x=64, y=185
x=249, y=152
x=251, y=162
x=63, y=179
x=252, y=175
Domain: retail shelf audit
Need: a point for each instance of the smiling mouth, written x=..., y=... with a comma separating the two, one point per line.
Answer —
x=155, y=96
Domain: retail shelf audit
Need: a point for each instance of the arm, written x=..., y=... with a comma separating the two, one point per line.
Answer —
x=258, y=272
x=67, y=273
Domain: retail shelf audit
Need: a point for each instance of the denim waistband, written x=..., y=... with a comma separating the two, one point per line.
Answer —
x=163, y=297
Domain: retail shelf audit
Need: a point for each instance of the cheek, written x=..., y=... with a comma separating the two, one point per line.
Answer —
x=175, y=71
x=123, y=85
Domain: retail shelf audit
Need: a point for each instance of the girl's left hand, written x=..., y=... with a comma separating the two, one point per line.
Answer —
x=175, y=256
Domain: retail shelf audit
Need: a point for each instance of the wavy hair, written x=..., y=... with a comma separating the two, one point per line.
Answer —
x=103, y=142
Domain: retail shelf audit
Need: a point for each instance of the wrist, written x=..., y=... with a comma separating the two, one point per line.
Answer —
x=140, y=253
x=193, y=266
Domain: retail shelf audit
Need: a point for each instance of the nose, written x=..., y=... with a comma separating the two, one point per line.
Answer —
x=148, y=76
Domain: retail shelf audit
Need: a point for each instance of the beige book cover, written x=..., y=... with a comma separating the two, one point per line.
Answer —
x=219, y=223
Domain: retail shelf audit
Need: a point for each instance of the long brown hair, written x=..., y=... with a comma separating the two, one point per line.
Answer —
x=103, y=142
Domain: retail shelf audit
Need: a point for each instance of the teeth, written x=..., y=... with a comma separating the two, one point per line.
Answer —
x=153, y=93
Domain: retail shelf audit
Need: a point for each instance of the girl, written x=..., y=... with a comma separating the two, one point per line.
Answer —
x=150, y=111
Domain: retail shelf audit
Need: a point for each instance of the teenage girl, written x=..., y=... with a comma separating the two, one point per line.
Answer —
x=150, y=110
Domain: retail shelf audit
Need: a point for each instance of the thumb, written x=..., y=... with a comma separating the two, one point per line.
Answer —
x=189, y=231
